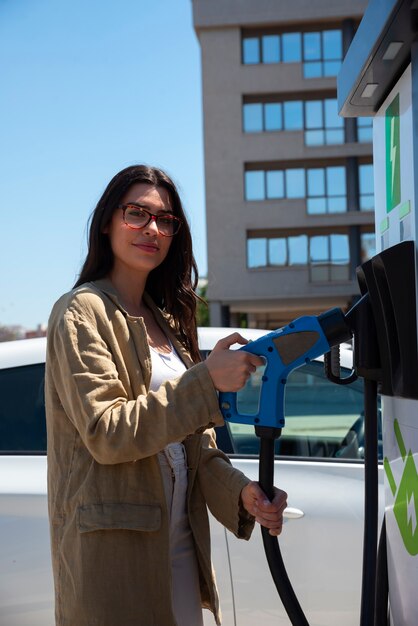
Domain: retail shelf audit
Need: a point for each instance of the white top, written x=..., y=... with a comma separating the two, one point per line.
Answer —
x=186, y=600
x=165, y=367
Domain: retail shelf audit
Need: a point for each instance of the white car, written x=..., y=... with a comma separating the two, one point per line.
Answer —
x=319, y=463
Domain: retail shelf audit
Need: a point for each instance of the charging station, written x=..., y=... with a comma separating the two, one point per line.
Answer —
x=379, y=78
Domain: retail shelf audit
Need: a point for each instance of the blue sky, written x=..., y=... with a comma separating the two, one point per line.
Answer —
x=88, y=87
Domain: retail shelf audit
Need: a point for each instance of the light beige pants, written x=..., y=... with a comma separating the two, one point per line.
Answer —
x=184, y=569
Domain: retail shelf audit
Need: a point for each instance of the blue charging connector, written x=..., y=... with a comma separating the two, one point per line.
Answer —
x=284, y=350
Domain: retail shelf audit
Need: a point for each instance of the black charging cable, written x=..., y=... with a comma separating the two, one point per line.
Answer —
x=278, y=572
x=381, y=616
x=373, y=598
x=369, y=595
x=372, y=606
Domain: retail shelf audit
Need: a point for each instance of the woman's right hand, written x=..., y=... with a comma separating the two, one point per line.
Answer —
x=230, y=369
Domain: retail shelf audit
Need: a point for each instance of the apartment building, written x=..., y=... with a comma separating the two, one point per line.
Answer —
x=289, y=184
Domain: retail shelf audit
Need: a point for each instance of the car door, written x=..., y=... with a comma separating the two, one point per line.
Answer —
x=26, y=589
x=319, y=463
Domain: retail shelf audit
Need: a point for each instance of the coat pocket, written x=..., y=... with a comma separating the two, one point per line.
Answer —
x=118, y=516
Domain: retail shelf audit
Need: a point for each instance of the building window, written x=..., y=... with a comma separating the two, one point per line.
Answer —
x=275, y=184
x=327, y=255
x=320, y=52
x=257, y=252
x=295, y=183
x=255, y=185
x=271, y=49
x=252, y=118
x=364, y=129
x=292, y=47
x=298, y=250
x=277, y=251
x=323, y=126
x=293, y=115
x=318, y=118
x=273, y=116
x=368, y=246
x=326, y=190
x=366, y=187
x=323, y=187
x=251, y=50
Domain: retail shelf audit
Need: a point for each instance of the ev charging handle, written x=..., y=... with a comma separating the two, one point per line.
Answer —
x=301, y=341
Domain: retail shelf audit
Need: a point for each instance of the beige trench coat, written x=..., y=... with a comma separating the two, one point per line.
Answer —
x=108, y=516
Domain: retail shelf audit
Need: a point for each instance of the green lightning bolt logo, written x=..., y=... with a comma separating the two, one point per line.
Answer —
x=393, y=154
x=406, y=495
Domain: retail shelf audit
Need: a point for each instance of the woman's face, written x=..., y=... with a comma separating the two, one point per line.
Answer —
x=145, y=249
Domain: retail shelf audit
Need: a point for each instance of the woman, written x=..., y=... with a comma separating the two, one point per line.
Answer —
x=132, y=461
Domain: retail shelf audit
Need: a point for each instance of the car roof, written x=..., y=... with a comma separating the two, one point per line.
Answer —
x=31, y=351
x=22, y=352
x=208, y=336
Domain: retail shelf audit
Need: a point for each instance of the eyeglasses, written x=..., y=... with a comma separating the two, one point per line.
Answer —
x=137, y=218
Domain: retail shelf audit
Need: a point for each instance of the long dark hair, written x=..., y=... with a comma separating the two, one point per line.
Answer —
x=172, y=284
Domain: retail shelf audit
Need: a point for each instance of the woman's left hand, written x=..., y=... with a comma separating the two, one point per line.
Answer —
x=266, y=513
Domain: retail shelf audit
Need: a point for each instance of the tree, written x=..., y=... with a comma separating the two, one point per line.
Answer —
x=9, y=333
x=202, y=312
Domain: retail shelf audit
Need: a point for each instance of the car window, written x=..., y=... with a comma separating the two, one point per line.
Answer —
x=22, y=410
x=323, y=420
